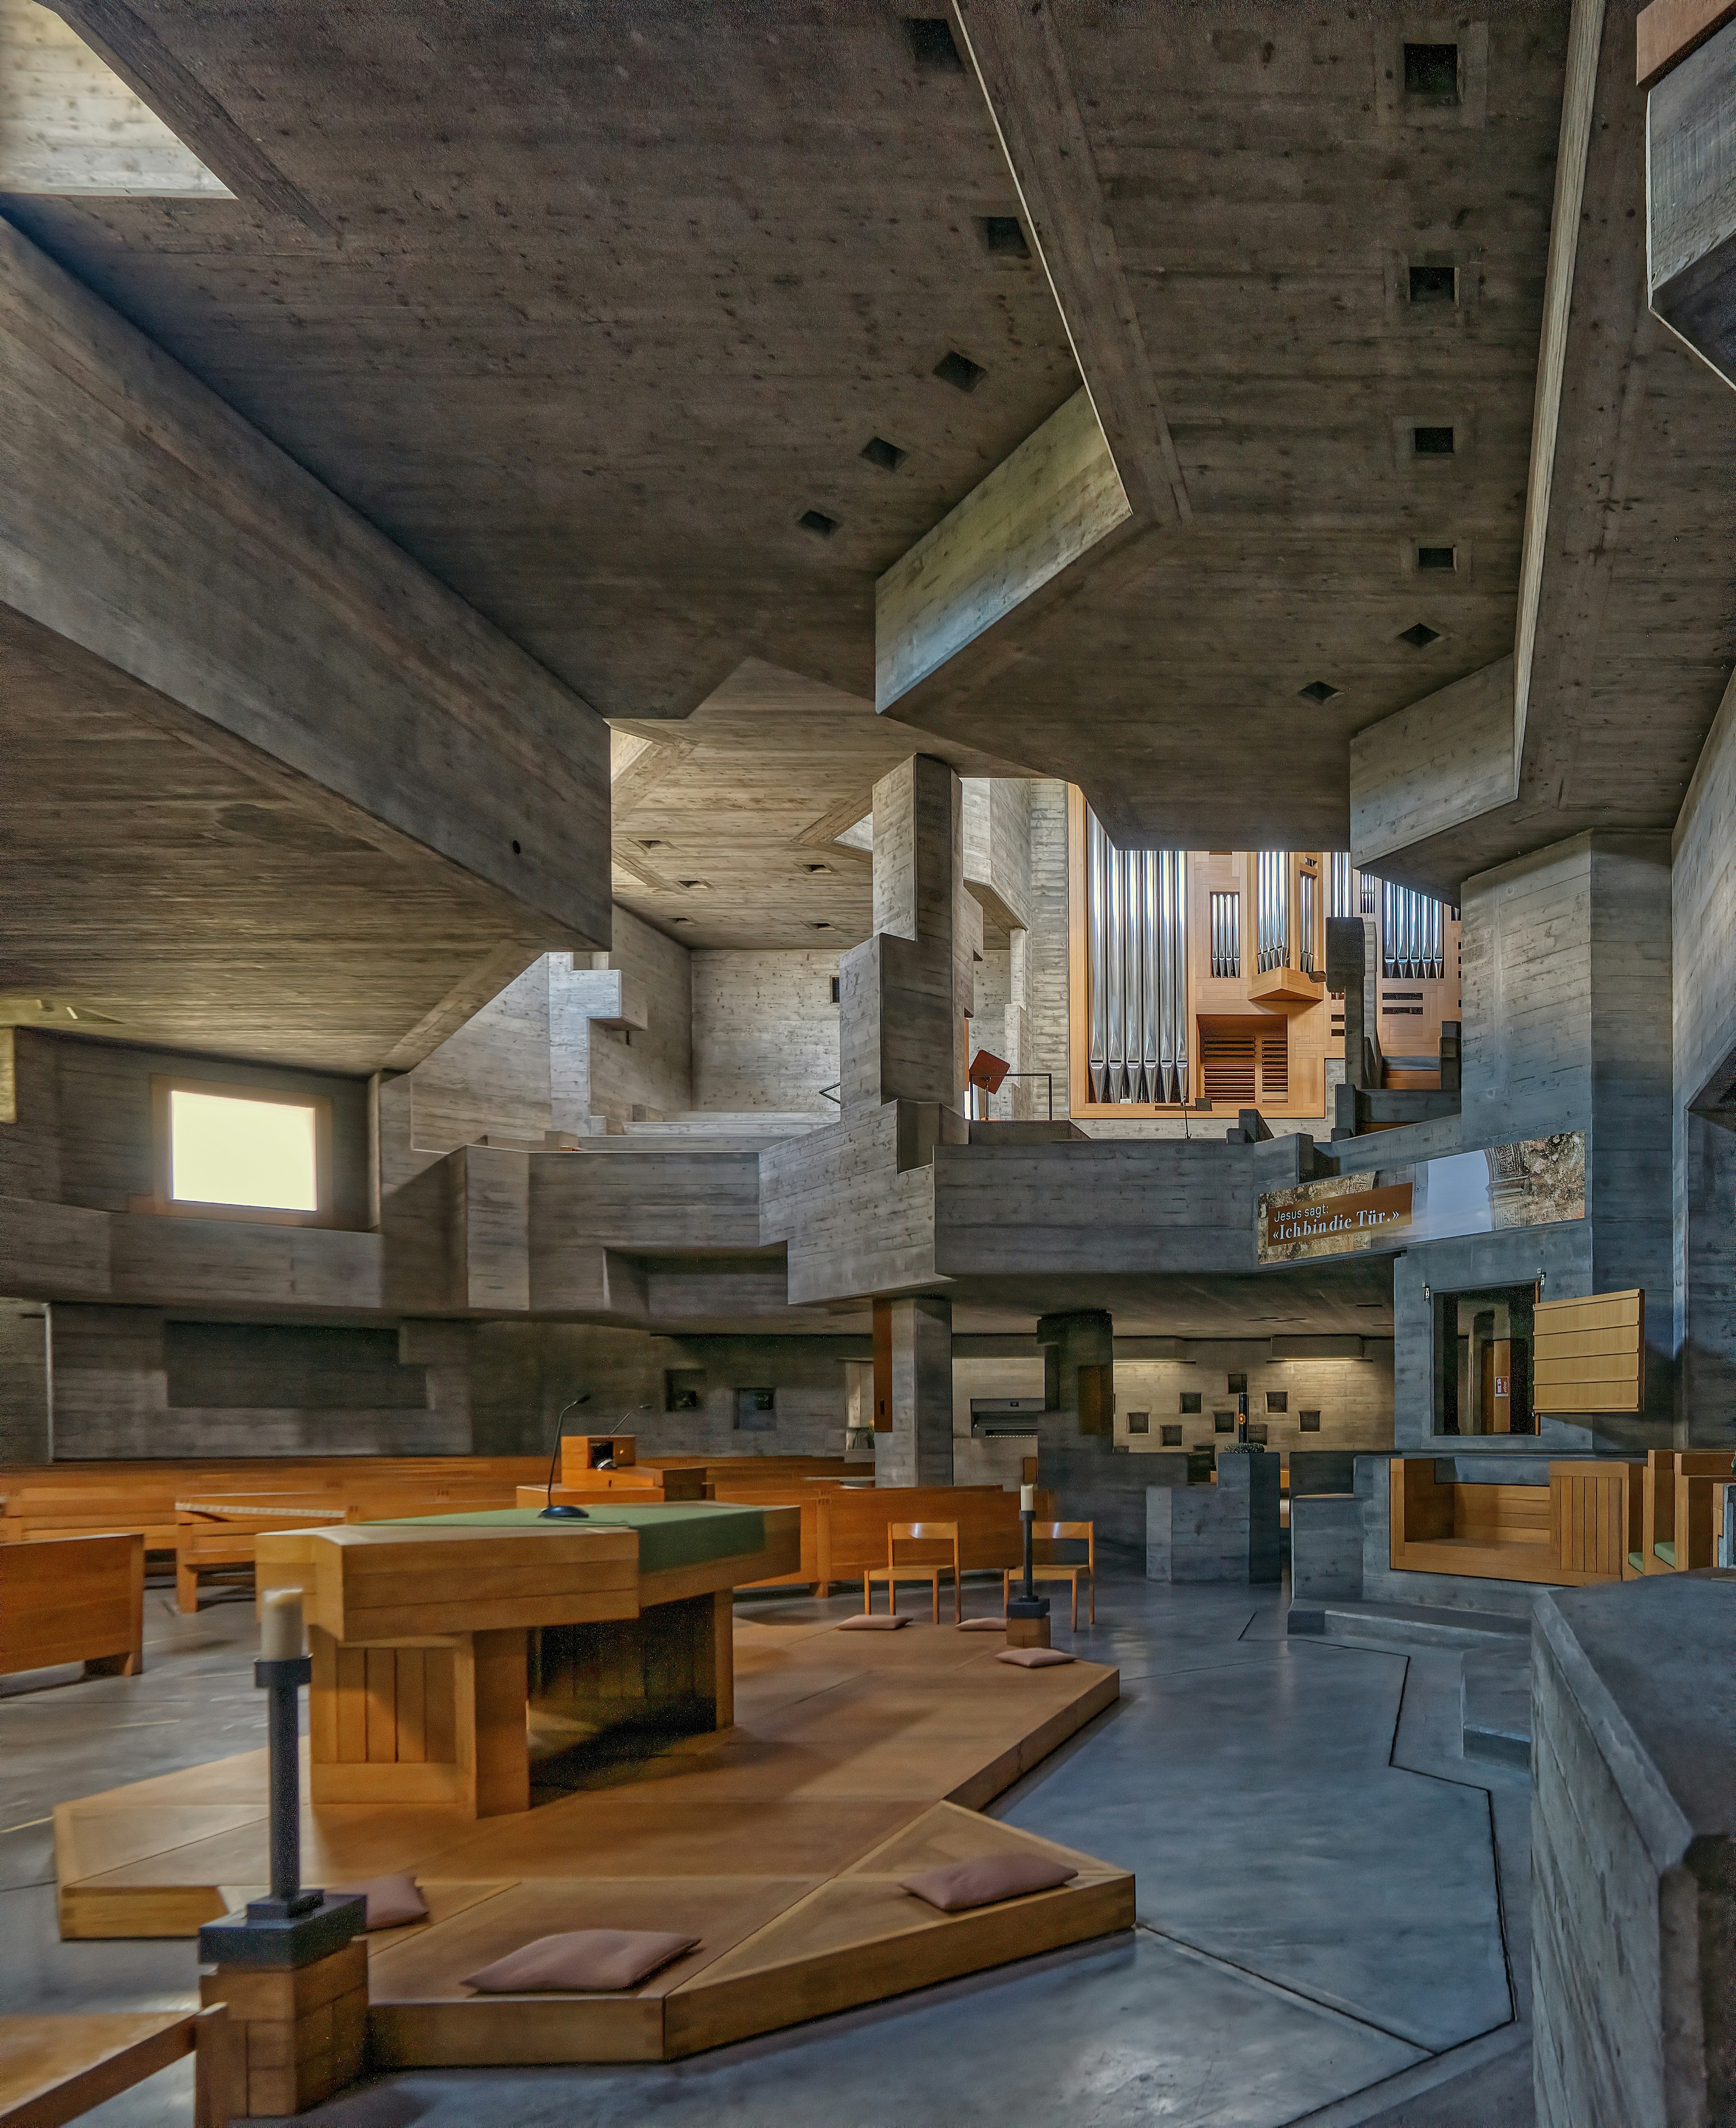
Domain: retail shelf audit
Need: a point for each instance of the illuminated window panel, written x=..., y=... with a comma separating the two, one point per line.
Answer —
x=227, y=1150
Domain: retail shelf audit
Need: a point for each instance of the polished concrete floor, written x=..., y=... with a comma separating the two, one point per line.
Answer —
x=1332, y=1904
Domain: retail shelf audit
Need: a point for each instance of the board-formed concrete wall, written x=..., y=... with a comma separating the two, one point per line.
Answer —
x=651, y=1068
x=1633, y=1854
x=1353, y=1396
x=1703, y=1189
x=764, y=1031
x=522, y=1372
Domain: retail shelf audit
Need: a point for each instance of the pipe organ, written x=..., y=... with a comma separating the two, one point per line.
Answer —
x=1197, y=977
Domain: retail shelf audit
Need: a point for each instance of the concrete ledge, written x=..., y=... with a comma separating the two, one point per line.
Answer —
x=1634, y=1852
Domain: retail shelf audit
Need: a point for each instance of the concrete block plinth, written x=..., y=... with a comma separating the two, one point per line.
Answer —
x=1228, y=1532
x=1325, y=1548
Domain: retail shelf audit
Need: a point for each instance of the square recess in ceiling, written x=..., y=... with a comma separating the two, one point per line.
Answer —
x=932, y=44
x=1420, y=635
x=1317, y=692
x=1431, y=73
x=1431, y=440
x=1004, y=237
x=960, y=371
x=888, y=457
x=818, y=523
x=1436, y=559
x=1434, y=284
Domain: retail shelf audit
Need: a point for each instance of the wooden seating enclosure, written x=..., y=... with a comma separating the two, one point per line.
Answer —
x=918, y=1551
x=1051, y=1569
x=1577, y=1530
x=56, y=2069
x=1677, y=1525
x=74, y=1599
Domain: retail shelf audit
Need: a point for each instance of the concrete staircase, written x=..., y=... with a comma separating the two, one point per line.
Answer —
x=1496, y=1668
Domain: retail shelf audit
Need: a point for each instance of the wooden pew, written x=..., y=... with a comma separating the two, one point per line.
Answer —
x=86, y=1499
x=852, y=1525
x=1577, y=1530
x=73, y=1599
x=214, y=1534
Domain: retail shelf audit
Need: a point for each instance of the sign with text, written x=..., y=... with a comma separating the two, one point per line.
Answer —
x=1531, y=1183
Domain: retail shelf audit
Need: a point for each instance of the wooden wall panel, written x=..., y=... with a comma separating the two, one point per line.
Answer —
x=1590, y=1354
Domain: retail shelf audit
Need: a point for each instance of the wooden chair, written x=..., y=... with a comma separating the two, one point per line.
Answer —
x=1059, y=1570
x=930, y=1538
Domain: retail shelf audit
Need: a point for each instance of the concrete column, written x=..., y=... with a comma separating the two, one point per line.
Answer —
x=905, y=994
x=918, y=1450
x=1076, y=1457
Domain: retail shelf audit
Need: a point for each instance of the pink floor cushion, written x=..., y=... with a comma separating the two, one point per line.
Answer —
x=982, y=1625
x=872, y=1622
x=584, y=1962
x=391, y=1901
x=1032, y=1658
x=958, y=1886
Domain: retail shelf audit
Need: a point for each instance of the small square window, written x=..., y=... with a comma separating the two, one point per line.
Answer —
x=755, y=1411
x=1172, y=1436
x=1237, y=1384
x=1278, y=1399
x=835, y=994
x=1223, y=1422
x=240, y=1153
x=1190, y=1401
x=1257, y=1432
x=683, y=1388
x=1308, y=1421
x=1139, y=1422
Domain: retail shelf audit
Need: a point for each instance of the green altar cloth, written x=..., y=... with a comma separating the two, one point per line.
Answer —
x=686, y=1533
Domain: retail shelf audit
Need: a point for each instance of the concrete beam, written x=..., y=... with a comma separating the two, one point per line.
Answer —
x=1052, y=501
x=1692, y=201
x=1018, y=53
x=145, y=522
x=1424, y=772
x=70, y=127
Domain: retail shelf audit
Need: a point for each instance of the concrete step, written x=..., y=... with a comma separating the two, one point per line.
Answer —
x=1496, y=1705
x=1411, y=1624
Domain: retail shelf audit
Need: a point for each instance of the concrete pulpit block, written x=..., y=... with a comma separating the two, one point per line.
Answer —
x=1223, y=1532
x=1325, y=1548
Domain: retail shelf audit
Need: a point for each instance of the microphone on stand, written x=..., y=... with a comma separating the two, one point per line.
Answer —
x=565, y=1512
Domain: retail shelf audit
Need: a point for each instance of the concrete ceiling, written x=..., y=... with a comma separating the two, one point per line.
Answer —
x=587, y=312
x=238, y=915
x=603, y=303
x=747, y=795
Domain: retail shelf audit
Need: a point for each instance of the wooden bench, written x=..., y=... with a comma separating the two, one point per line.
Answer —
x=80, y=1500
x=1577, y=1530
x=74, y=1599
x=216, y=1535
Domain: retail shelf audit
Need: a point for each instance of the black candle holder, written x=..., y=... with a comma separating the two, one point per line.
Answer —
x=1027, y=1605
x=291, y=1926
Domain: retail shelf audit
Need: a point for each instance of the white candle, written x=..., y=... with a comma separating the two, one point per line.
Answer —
x=280, y=1626
x=1027, y=1499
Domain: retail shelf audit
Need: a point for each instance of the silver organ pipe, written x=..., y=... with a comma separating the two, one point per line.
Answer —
x=1271, y=909
x=1307, y=892
x=1343, y=897
x=1412, y=934
x=1226, y=934
x=1138, y=940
